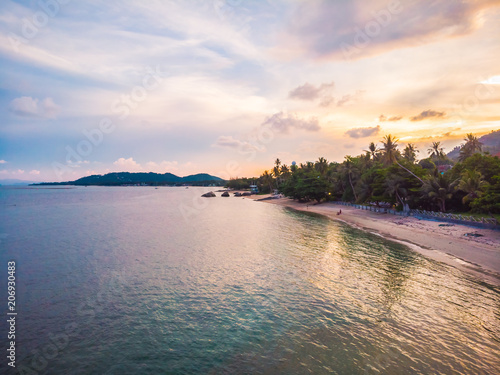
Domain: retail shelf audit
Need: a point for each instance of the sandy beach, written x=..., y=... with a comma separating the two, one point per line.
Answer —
x=448, y=244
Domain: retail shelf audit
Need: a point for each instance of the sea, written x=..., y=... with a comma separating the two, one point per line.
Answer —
x=144, y=280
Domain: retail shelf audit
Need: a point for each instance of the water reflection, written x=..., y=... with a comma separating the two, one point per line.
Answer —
x=244, y=287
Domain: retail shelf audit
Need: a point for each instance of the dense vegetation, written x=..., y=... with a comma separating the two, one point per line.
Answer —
x=391, y=175
x=152, y=179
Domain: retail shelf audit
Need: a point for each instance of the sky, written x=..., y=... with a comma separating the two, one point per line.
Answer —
x=227, y=86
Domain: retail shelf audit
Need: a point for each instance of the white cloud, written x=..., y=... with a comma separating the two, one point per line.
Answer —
x=128, y=165
x=2, y=162
x=495, y=80
x=163, y=167
x=26, y=106
x=35, y=172
x=49, y=108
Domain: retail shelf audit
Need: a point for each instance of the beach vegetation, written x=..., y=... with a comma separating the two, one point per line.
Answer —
x=387, y=175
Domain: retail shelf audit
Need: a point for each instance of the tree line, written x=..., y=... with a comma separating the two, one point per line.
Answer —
x=393, y=176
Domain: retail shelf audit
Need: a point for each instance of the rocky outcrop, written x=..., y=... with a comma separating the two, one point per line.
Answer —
x=246, y=194
x=237, y=194
x=210, y=194
x=225, y=194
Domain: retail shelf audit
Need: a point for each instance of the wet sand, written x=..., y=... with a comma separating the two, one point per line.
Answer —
x=448, y=244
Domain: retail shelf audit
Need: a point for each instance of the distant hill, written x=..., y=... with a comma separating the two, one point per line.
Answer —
x=153, y=179
x=491, y=144
x=14, y=182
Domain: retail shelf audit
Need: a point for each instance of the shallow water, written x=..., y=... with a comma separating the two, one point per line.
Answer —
x=129, y=280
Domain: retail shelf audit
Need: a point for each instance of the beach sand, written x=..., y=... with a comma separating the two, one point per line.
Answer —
x=448, y=244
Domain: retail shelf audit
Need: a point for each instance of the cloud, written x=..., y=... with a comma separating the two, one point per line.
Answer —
x=49, y=108
x=383, y=118
x=363, y=132
x=427, y=114
x=26, y=106
x=350, y=98
x=282, y=123
x=2, y=162
x=310, y=92
x=229, y=141
x=355, y=29
x=35, y=172
x=164, y=166
x=495, y=80
x=128, y=165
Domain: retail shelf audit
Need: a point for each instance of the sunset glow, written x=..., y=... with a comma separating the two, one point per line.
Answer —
x=226, y=87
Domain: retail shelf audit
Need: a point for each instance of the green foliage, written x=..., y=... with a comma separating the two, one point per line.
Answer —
x=440, y=188
x=489, y=201
x=387, y=175
x=427, y=164
x=471, y=146
x=240, y=183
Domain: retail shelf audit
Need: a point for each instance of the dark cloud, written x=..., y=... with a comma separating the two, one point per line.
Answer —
x=427, y=114
x=391, y=118
x=311, y=92
x=363, y=132
x=356, y=28
x=282, y=123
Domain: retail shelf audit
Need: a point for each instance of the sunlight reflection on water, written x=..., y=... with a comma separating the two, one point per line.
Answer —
x=242, y=287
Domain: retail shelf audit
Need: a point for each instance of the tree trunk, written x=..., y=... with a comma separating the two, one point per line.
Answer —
x=413, y=174
x=399, y=198
x=352, y=187
x=443, y=207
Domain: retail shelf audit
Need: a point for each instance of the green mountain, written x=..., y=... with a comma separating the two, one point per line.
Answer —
x=154, y=179
x=490, y=141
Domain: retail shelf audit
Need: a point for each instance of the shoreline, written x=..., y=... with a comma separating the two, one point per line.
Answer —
x=448, y=244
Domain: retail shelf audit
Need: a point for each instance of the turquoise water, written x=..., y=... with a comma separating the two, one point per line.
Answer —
x=129, y=280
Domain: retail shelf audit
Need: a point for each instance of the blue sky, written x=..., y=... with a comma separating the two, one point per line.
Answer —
x=227, y=86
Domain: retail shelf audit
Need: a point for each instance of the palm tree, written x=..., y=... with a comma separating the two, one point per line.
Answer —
x=308, y=166
x=440, y=188
x=436, y=151
x=321, y=166
x=276, y=172
x=285, y=171
x=390, y=153
x=473, y=184
x=471, y=146
x=390, y=149
x=395, y=187
x=473, y=142
x=372, y=150
x=349, y=169
x=410, y=152
x=268, y=179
